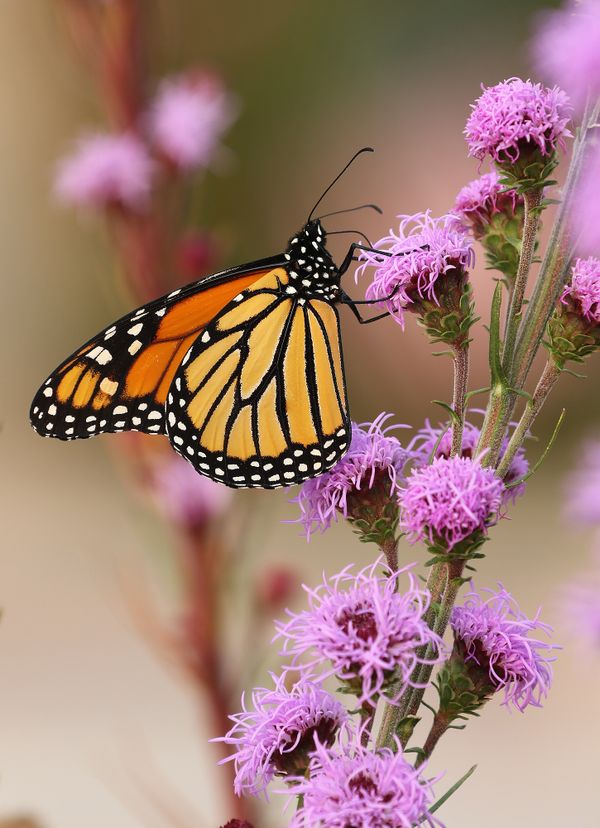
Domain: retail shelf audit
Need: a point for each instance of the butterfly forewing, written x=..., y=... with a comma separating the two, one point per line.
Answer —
x=259, y=399
x=120, y=379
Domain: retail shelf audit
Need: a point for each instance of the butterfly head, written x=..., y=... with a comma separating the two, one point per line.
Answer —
x=309, y=262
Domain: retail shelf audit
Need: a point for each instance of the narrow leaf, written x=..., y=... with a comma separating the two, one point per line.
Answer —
x=544, y=455
x=495, y=344
x=449, y=409
x=436, y=806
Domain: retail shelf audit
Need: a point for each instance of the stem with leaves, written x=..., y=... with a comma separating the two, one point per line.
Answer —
x=461, y=379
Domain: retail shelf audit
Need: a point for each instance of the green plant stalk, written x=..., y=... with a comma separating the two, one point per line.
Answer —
x=460, y=355
x=531, y=221
x=546, y=383
x=439, y=726
x=555, y=265
x=394, y=713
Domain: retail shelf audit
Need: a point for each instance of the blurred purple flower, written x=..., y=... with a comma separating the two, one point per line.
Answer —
x=449, y=500
x=585, y=216
x=581, y=606
x=374, y=457
x=238, y=823
x=483, y=198
x=188, y=118
x=423, y=251
x=365, y=627
x=106, y=171
x=583, y=486
x=424, y=442
x=515, y=116
x=566, y=49
x=362, y=789
x=496, y=635
x=277, y=736
x=583, y=291
x=186, y=497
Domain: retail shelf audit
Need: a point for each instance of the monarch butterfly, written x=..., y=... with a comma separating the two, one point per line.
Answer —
x=243, y=370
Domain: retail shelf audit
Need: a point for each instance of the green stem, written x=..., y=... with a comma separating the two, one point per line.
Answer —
x=546, y=383
x=553, y=273
x=532, y=200
x=461, y=379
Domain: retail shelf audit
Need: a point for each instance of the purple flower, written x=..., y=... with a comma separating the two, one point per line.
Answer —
x=449, y=501
x=514, y=117
x=188, y=118
x=238, y=823
x=496, y=636
x=567, y=49
x=374, y=464
x=585, y=218
x=583, y=291
x=362, y=789
x=363, y=626
x=278, y=734
x=581, y=607
x=483, y=198
x=425, y=252
x=106, y=171
x=185, y=497
x=425, y=440
x=583, y=488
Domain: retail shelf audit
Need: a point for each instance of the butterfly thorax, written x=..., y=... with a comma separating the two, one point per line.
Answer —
x=310, y=266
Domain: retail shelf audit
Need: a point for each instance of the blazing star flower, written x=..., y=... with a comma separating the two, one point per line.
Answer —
x=368, y=630
x=567, y=49
x=583, y=291
x=483, y=198
x=373, y=468
x=188, y=118
x=185, y=497
x=425, y=440
x=425, y=252
x=362, y=789
x=585, y=218
x=496, y=635
x=277, y=736
x=106, y=171
x=583, y=486
x=581, y=606
x=450, y=500
x=516, y=116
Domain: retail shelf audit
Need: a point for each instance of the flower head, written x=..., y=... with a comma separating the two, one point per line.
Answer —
x=567, y=49
x=426, y=439
x=496, y=636
x=580, y=601
x=185, y=497
x=106, y=171
x=365, y=628
x=515, y=117
x=583, y=291
x=585, y=218
x=425, y=253
x=188, y=118
x=583, y=486
x=277, y=736
x=450, y=500
x=483, y=198
x=371, y=470
x=362, y=789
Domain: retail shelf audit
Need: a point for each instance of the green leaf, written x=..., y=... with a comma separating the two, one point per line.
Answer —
x=496, y=371
x=474, y=393
x=437, y=805
x=449, y=409
x=544, y=455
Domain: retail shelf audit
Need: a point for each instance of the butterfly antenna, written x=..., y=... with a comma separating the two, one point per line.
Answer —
x=338, y=176
x=353, y=210
x=357, y=232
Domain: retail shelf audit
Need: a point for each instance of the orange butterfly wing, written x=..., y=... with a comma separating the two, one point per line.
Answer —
x=119, y=380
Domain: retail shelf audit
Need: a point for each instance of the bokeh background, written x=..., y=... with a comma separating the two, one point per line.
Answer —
x=95, y=730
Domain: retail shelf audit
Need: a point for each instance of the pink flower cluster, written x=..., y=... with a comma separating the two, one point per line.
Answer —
x=482, y=198
x=184, y=127
x=584, y=289
x=514, y=115
x=415, y=259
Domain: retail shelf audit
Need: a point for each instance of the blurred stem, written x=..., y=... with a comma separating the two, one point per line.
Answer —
x=461, y=380
x=546, y=383
x=531, y=221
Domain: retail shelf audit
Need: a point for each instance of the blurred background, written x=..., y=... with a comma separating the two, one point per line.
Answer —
x=98, y=727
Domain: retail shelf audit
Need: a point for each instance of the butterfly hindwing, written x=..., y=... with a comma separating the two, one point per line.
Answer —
x=259, y=399
x=119, y=380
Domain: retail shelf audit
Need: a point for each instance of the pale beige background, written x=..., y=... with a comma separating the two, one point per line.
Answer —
x=90, y=721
